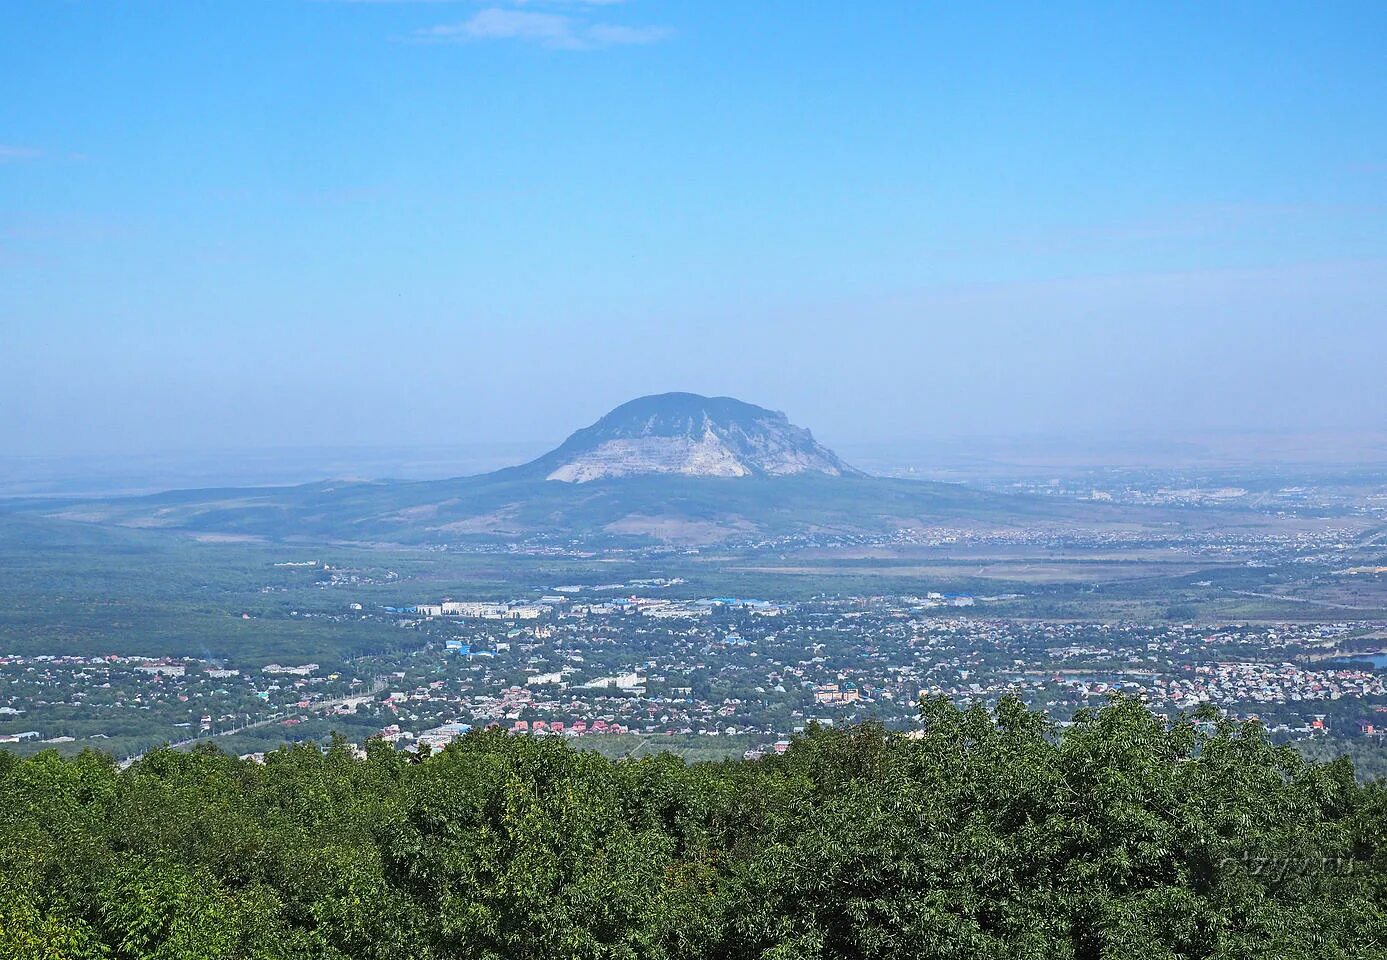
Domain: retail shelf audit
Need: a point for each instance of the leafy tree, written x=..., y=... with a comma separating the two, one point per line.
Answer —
x=987, y=834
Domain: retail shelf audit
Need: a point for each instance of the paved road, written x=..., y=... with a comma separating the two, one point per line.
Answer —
x=1313, y=603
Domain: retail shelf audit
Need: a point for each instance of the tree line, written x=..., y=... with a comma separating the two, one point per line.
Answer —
x=992, y=834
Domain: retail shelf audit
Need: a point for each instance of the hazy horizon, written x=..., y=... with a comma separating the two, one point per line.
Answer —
x=330, y=224
x=961, y=458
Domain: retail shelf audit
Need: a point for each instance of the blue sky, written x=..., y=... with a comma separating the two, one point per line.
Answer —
x=290, y=222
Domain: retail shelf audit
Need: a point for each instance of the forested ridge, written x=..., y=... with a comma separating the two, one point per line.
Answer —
x=991, y=836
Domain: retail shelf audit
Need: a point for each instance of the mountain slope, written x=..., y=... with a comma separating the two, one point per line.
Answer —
x=668, y=508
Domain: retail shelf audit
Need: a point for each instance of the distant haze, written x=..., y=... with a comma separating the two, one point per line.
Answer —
x=342, y=226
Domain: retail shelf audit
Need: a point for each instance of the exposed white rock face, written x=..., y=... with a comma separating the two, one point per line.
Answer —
x=705, y=457
x=693, y=436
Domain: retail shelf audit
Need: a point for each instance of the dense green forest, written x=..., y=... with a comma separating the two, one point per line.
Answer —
x=991, y=836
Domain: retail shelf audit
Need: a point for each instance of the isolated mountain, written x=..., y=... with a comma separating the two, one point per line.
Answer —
x=688, y=435
x=676, y=468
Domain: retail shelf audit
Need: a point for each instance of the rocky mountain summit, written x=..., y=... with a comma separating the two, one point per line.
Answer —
x=689, y=435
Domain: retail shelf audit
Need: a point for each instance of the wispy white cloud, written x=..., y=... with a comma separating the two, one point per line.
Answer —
x=604, y=35
x=495, y=23
x=546, y=28
x=10, y=153
x=518, y=3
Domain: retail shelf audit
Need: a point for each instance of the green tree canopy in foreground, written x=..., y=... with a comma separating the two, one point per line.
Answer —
x=988, y=836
